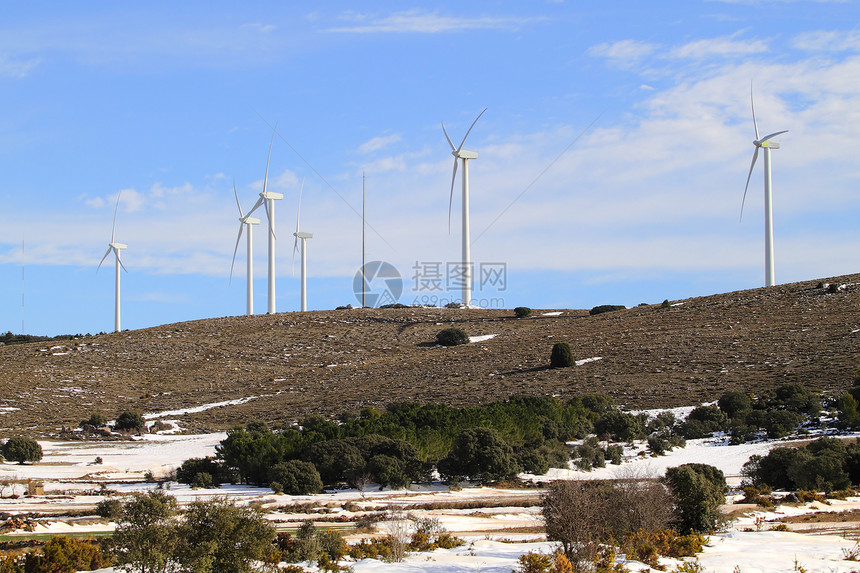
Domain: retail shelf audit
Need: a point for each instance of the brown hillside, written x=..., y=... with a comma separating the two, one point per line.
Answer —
x=294, y=364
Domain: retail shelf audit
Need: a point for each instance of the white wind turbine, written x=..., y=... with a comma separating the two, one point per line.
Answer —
x=765, y=144
x=116, y=248
x=267, y=200
x=301, y=235
x=249, y=221
x=460, y=153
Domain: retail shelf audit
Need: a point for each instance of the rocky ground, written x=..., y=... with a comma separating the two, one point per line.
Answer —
x=328, y=362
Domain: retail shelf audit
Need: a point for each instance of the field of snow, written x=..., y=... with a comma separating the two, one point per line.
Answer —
x=73, y=481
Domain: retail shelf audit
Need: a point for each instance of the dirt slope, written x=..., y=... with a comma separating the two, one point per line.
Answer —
x=295, y=364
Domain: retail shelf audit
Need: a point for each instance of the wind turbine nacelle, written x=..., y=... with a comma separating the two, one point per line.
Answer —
x=463, y=154
x=303, y=235
x=271, y=195
x=250, y=221
x=771, y=144
x=118, y=246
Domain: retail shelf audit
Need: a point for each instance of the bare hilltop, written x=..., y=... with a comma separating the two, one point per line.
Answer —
x=281, y=368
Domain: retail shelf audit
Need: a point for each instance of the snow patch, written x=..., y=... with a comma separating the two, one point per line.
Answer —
x=482, y=338
x=587, y=360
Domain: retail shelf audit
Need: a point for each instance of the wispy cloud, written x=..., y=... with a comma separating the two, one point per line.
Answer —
x=828, y=41
x=723, y=46
x=624, y=52
x=415, y=21
x=12, y=68
x=378, y=143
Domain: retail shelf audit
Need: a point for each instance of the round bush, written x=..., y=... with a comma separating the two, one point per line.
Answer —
x=561, y=356
x=606, y=308
x=451, y=337
x=129, y=421
x=522, y=311
x=20, y=449
x=295, y=477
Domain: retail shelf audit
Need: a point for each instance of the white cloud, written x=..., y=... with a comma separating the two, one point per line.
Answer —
x=416, y=21
x=623, y=52
x=17, y=68
x=827, y=41
x=377, y=143
x=724, y=46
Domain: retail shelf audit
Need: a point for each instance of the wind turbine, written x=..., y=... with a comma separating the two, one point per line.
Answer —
x=267, y=200
x=246, y=221
x=765, y=144
x=301, y=235
x=460, y=153
x=116, y=248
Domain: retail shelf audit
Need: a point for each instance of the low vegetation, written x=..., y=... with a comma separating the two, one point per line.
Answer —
x=451, y=337
x=561, y=356
x=22, y=449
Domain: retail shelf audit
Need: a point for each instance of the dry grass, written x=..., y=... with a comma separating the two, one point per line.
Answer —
x=328, y=362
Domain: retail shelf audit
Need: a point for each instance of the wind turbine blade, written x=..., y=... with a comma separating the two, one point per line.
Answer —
x=266, y=178
x=295, y=250
x=115, y=209
x=236, y=250
x=752, y=164
x=269, y=217
x=256, y=206
x=236, y=193
x=103, y=258
x=470, y=129
x=451, y=143
x=299, y=211
x=752, y=105
x=451, y=197
x=119, y=260
x=766, y=137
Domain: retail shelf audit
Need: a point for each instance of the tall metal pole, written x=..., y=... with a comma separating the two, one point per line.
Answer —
x=363, y=278
x=271, y=307
x=249, y=294
x=304, y=275
x=467, y=255
x=768, y=221
x=116, y=303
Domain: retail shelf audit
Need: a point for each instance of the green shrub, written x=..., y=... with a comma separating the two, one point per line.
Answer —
x=479, y=454
x=451, y=337
x=129, y=421
x=735, y=404
x=22, y=449
x=202, y=480
x=699, y=490
x=190, y=469
x=665, y=304
x=296, y=477
x=606, y=308
x=561, y=356
x=623, y=426
x=96, y=420
x=533, y=461
x=522, y=311
x=110, y=508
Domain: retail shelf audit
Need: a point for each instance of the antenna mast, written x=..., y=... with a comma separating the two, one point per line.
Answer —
x=363, y=279
x=22, y=287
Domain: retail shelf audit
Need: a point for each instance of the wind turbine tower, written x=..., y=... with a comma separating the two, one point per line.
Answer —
x=116, y=248
x=766, y=144
x=303, y=237
x=461, y=154
x=246, y=221
x=267, y=199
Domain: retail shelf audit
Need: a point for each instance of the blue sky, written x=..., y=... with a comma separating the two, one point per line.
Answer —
x=612, y=155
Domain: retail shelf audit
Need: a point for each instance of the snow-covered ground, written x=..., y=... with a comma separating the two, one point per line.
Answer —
x=72, y=480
